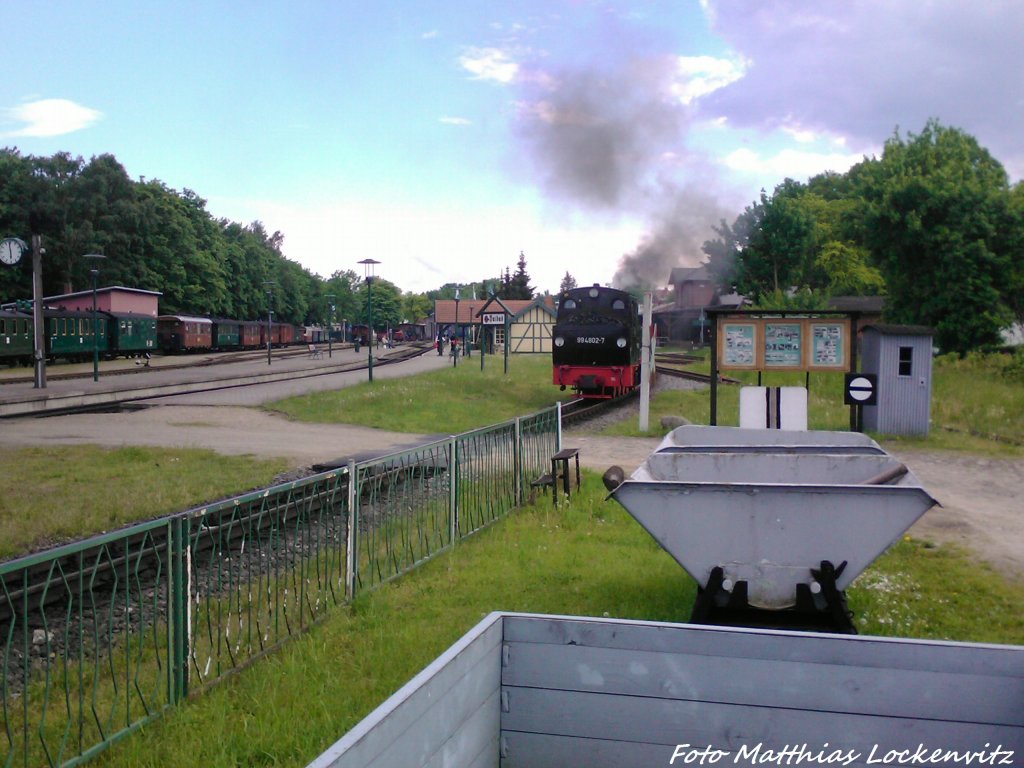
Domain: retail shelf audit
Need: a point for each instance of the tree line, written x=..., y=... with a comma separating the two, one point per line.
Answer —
x=933, y=224
x=156, y=238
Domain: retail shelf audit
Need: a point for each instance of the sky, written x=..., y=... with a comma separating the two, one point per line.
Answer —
x=603, y=139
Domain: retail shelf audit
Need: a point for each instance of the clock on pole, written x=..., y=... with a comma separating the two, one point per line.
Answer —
x=11, y=250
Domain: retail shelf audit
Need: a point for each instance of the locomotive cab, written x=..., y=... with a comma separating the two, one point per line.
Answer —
x=596, y=342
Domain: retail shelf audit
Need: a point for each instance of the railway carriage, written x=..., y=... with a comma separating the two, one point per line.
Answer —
x=181, y=333
x=131, y=334
x=226, y=334
x=15, y=337
x=597, y=339
x=69, y=334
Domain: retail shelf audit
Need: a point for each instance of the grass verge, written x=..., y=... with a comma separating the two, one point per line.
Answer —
x=63, y=493
x=589, y=559
x=977, y=404
x=449, y=400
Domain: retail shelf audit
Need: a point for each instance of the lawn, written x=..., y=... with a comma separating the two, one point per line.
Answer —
x=65, y=493
x=588, y=559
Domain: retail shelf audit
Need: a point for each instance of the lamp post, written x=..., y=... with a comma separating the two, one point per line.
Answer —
x=368, y=266
x=330, y=323
x=455, y=357
x=95, y=326
x=269, y=284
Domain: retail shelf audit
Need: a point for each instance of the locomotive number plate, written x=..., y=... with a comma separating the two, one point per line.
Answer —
x=590, y=339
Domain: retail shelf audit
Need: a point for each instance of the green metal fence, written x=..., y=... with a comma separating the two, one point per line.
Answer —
x=99, y=637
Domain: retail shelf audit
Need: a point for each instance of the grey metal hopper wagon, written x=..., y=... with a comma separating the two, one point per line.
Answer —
x=773, y=525
x=529, y=691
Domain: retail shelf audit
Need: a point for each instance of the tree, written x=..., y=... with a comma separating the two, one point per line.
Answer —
x=518, y=285
x=567, y=284
x=770, y=247
x=939, y=222
x=1014, y=285
x=386, y=303
x=416, y=306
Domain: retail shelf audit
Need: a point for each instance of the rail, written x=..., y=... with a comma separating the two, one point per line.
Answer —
x=99, y=637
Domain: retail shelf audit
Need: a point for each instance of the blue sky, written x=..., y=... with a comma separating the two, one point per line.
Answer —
x=602, y=138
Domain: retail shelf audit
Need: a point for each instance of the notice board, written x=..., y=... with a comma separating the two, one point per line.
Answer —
x=783, y=344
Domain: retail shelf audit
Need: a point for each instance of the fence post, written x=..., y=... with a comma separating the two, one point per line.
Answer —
x=351, y=520
x=178, y=607
x=558, y=416
x=453, y=487
x=517, y=459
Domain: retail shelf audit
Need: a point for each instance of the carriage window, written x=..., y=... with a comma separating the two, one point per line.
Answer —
x=570, y=304
x=906, y=361
x=618, y=304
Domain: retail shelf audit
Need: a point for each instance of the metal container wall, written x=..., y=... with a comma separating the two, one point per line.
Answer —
x=767, y=509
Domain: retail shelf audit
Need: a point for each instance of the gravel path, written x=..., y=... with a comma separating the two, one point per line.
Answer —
x=981, y=498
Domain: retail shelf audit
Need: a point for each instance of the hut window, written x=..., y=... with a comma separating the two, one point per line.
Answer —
x=906, y=361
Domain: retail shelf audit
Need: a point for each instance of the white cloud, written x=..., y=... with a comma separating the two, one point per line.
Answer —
x=799, y=135
x=791, y=163
x=429, y=35
x=706, y=74
x=50, y=117
x=455, y=121
x=489, y=64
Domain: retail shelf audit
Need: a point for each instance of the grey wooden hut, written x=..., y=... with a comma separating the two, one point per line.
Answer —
x=901, y=357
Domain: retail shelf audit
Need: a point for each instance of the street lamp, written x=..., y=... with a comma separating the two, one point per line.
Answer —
x=95, y=326
x=330, y=322
x=368, y=265
x=269, y=284
x=455, y=356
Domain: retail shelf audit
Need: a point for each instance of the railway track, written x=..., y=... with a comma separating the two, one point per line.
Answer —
x=153, y=387
x=187, y=362
x=704, y=378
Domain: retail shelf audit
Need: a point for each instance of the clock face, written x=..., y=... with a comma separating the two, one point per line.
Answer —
x=11, y=250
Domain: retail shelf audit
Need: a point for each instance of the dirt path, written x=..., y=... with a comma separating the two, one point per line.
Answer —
x=982, y=499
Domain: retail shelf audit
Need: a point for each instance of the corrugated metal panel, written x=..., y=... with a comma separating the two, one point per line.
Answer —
x=904, y=402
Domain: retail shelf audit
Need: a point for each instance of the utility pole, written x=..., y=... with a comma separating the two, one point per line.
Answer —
x=39, y=336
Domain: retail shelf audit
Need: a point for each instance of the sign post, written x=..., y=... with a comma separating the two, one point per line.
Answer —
x=493, y=319
x=860, y=389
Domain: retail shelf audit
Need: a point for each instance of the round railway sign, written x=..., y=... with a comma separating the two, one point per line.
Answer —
x=861, y=389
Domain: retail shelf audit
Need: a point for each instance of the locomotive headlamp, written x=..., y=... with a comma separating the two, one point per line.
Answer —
x=559, y=341
x=621, y=343
x=593, y=292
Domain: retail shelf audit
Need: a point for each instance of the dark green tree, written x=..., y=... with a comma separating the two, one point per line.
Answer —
x=1013, y=292
x=519, y=284
x=939, y=222
x=386, y=303
x=567, y=284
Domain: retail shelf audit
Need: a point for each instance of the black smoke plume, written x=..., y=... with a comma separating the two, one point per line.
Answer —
x=610, y=139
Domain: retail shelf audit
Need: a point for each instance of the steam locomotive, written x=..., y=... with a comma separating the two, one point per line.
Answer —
x=597, y=341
